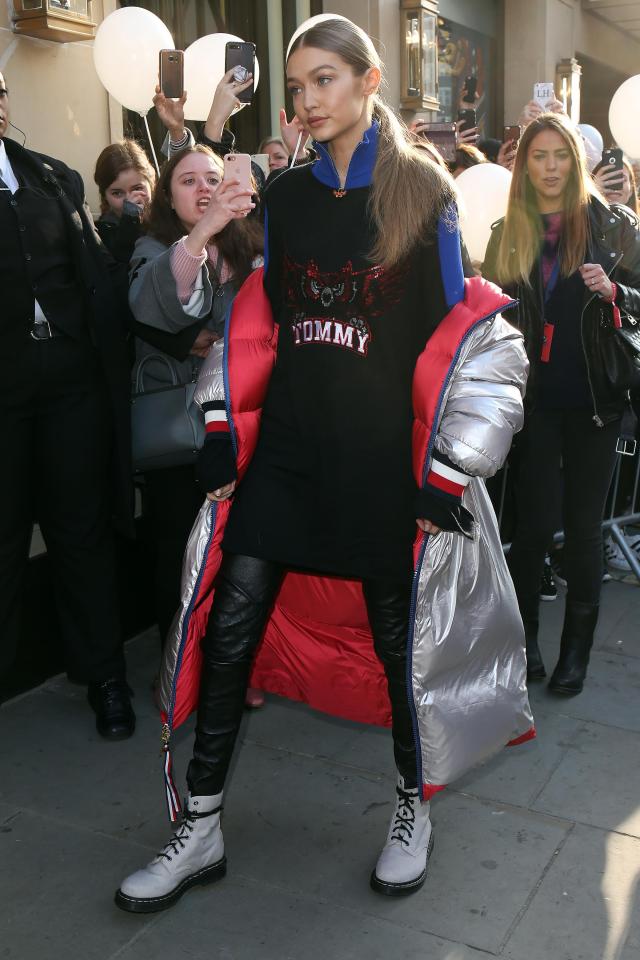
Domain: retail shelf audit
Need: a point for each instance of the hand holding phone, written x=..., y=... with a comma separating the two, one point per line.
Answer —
x=230, y=201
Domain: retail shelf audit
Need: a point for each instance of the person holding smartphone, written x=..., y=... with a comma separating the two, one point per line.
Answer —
x=309, y=468
x=572, y=261
x=617, y=186
x=184, y=273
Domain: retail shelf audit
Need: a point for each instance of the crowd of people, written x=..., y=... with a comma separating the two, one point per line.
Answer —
x=353, y=379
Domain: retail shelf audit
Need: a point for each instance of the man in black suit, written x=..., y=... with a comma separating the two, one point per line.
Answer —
x=64, y=413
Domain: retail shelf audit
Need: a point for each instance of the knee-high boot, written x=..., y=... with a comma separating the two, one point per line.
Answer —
x=580, y=621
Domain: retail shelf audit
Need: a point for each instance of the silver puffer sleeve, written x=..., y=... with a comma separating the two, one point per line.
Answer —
x=210, y=385
x=483, y=408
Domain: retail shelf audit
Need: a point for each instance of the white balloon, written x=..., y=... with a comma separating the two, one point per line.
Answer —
x=203, y=71
x=484, y=192
x=624, y=116
x=125, y=54
x=311, y=22
x=592, y=135
x=593, y=145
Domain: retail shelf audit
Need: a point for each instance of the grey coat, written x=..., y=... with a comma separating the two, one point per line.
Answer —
x=153, y=300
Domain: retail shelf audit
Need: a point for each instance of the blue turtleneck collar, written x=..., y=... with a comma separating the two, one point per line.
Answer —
x=360, y=172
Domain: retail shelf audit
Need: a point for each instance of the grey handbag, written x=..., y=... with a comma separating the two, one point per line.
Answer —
x=167, y=427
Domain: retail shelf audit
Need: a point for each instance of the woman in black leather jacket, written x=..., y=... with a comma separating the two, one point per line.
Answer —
x=573, y=264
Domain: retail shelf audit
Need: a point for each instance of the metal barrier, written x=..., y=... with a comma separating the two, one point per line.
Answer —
x=613, y=523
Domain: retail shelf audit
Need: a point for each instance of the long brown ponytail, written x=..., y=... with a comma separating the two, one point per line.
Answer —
x=410, y=192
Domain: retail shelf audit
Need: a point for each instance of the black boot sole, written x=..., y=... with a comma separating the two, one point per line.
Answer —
x=154, y=904
x=534, y=676
x=563, y=691
x=402, y=889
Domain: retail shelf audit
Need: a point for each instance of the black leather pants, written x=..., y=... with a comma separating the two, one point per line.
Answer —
x=245, y=591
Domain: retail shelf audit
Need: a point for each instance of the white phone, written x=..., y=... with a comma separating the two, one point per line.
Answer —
x=543, y=94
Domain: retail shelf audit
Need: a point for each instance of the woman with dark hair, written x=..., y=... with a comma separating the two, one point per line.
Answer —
x=126, y=181
x=385, y=357
x=573, y=263
x=184, y=273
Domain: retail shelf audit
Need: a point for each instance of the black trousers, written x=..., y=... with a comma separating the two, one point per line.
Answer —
x=565, y=466
x=245, y=591
x=55, y=432
x=172, y=501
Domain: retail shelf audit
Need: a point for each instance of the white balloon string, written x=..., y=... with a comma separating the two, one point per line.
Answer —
x=153, y=151
x=295, y=152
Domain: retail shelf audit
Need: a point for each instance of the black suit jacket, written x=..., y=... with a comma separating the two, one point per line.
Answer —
x=105, y=285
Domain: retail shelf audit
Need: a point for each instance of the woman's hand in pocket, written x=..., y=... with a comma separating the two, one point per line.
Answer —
x=222, y=493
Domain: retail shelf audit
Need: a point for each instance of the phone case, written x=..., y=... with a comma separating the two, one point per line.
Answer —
x=240, y=53
x=171, y=73
x=469, y=119
x=543, y=93
x=238, y=167
x=512, y=134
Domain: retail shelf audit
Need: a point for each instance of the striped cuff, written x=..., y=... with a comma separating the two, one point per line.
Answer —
x=176, y=145
x=446, y=479
x=215, y=418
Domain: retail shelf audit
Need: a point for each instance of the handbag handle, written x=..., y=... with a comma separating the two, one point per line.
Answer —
x=162, y=359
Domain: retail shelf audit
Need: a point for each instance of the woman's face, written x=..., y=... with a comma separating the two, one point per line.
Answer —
x=549, y=165
x=278, y=156
x=193, y=183
x=328, y=98
x=129, y=185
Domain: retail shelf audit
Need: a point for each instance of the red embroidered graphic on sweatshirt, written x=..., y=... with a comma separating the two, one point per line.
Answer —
x=330, y=307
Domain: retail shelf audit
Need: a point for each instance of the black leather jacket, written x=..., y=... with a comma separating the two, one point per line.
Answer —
x=615, y=244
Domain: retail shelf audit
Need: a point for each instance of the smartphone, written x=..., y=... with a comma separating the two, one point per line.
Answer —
x=171, y=72
x=240, y=53
x=443, y=137
x=237, y=166
x=469, y=120
x=543, y=94
x=262, y=160
x=512, y=134
x=612, y=160
x=470, y=87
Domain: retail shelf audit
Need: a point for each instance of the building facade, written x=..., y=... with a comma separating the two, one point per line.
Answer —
x=585, y=47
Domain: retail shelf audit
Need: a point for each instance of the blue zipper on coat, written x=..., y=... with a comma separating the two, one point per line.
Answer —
x=423, y=547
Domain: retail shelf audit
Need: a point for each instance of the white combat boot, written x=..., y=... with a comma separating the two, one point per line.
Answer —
x=402, y=866
x=194, y=855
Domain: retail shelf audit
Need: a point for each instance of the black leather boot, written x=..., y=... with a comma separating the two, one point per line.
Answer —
x=111, y=703
x=580, y=621
x=529, y=613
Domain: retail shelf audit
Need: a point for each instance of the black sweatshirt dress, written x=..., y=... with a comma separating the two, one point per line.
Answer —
x=330, y=488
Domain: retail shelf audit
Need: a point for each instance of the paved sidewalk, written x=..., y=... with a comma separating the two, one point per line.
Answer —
x=537, y=853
